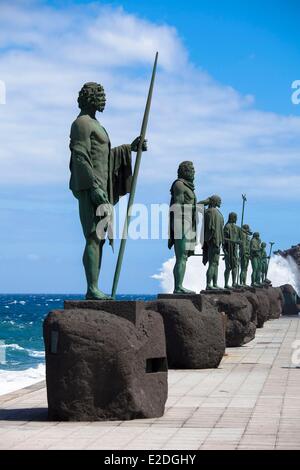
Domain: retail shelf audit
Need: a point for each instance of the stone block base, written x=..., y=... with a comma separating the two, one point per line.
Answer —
x=105, y=360
x=194, y=333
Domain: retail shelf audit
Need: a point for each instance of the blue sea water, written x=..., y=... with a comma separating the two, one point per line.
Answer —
x=21, y=334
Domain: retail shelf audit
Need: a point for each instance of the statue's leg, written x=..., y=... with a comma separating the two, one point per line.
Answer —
x=246, y=270
x=253, y=275
x=234, y=275
x=258, y=272
x=265, y=272
x=91, y=261
x=210, y=270
x=234, y=270
x=255, y=272
x=216, y=257
x=226, y=274
x=101, y=244
x=180, y=266
x=242, y=275
x=241, y=271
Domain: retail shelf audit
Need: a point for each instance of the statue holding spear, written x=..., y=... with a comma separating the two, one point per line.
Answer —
x=100, y=175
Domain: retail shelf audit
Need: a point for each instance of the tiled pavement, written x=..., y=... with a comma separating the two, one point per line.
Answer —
x=252, y=401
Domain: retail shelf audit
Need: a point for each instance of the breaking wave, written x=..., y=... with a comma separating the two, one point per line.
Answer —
x=281, y=271
x=11, y=380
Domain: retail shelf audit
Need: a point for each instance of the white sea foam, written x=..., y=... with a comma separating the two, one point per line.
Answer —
x=33, y=353
x=281, y=271
x=12, y=346
x=284, y=271
x=17, y=347
x=11, y=380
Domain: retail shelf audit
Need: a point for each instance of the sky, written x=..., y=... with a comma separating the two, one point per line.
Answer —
x=222, y=99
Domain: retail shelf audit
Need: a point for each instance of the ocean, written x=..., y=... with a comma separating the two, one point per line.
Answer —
x=22, y=358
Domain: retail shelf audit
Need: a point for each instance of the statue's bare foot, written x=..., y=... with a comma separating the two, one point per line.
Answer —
x=96, y=294
x=216, y=287
x=213, y=288
x=182, y=290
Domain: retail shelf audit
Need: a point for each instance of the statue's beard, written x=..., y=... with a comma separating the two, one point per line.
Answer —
x=100, y=105
x=189, y=177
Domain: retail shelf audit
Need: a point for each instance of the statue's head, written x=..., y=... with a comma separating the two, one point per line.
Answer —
x=246, y=229
x=186, y=171
x=215, y=201
x=92, y=96
x=263, y=245
x=232, y=218
x=256, y=235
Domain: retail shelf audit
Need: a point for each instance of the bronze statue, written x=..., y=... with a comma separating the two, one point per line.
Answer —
x=100, y=175
x=264, y=258
x=255, y=259
x=182, y=222
x=213, y=239
x=231, y=242
x=244, y=253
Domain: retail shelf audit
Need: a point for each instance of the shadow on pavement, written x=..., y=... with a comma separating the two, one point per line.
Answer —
x=24, y=414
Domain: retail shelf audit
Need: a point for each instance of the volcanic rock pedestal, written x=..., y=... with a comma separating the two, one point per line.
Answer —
x=276, y=302
x=105, y=360
x=194, y=331
x=241, y=316
x=291, y=300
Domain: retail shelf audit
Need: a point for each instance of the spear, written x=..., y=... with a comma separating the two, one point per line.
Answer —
x=134, y=181
x=244, y=202
x=242, y=223
x=271, y=247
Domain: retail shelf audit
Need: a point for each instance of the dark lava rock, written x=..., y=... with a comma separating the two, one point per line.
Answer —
x=291, y=300
x=275, y=298
x=194, y=333
x=100, y=366
x=260, y=307
x=264, y=306
x=241, y=317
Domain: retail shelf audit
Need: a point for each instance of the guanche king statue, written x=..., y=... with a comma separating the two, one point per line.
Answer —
x=100, y=175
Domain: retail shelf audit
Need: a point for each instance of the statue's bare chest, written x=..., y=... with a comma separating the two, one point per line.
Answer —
x=99, y=135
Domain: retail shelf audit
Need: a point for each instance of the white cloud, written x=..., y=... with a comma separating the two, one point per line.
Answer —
x=47, y=55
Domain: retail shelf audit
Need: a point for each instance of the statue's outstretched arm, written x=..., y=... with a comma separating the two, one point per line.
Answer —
x=204, y=202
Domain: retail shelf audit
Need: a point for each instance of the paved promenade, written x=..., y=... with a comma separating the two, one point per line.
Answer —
x=252, y=401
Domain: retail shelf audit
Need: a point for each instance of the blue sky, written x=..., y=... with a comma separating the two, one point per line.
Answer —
x=223, y=97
